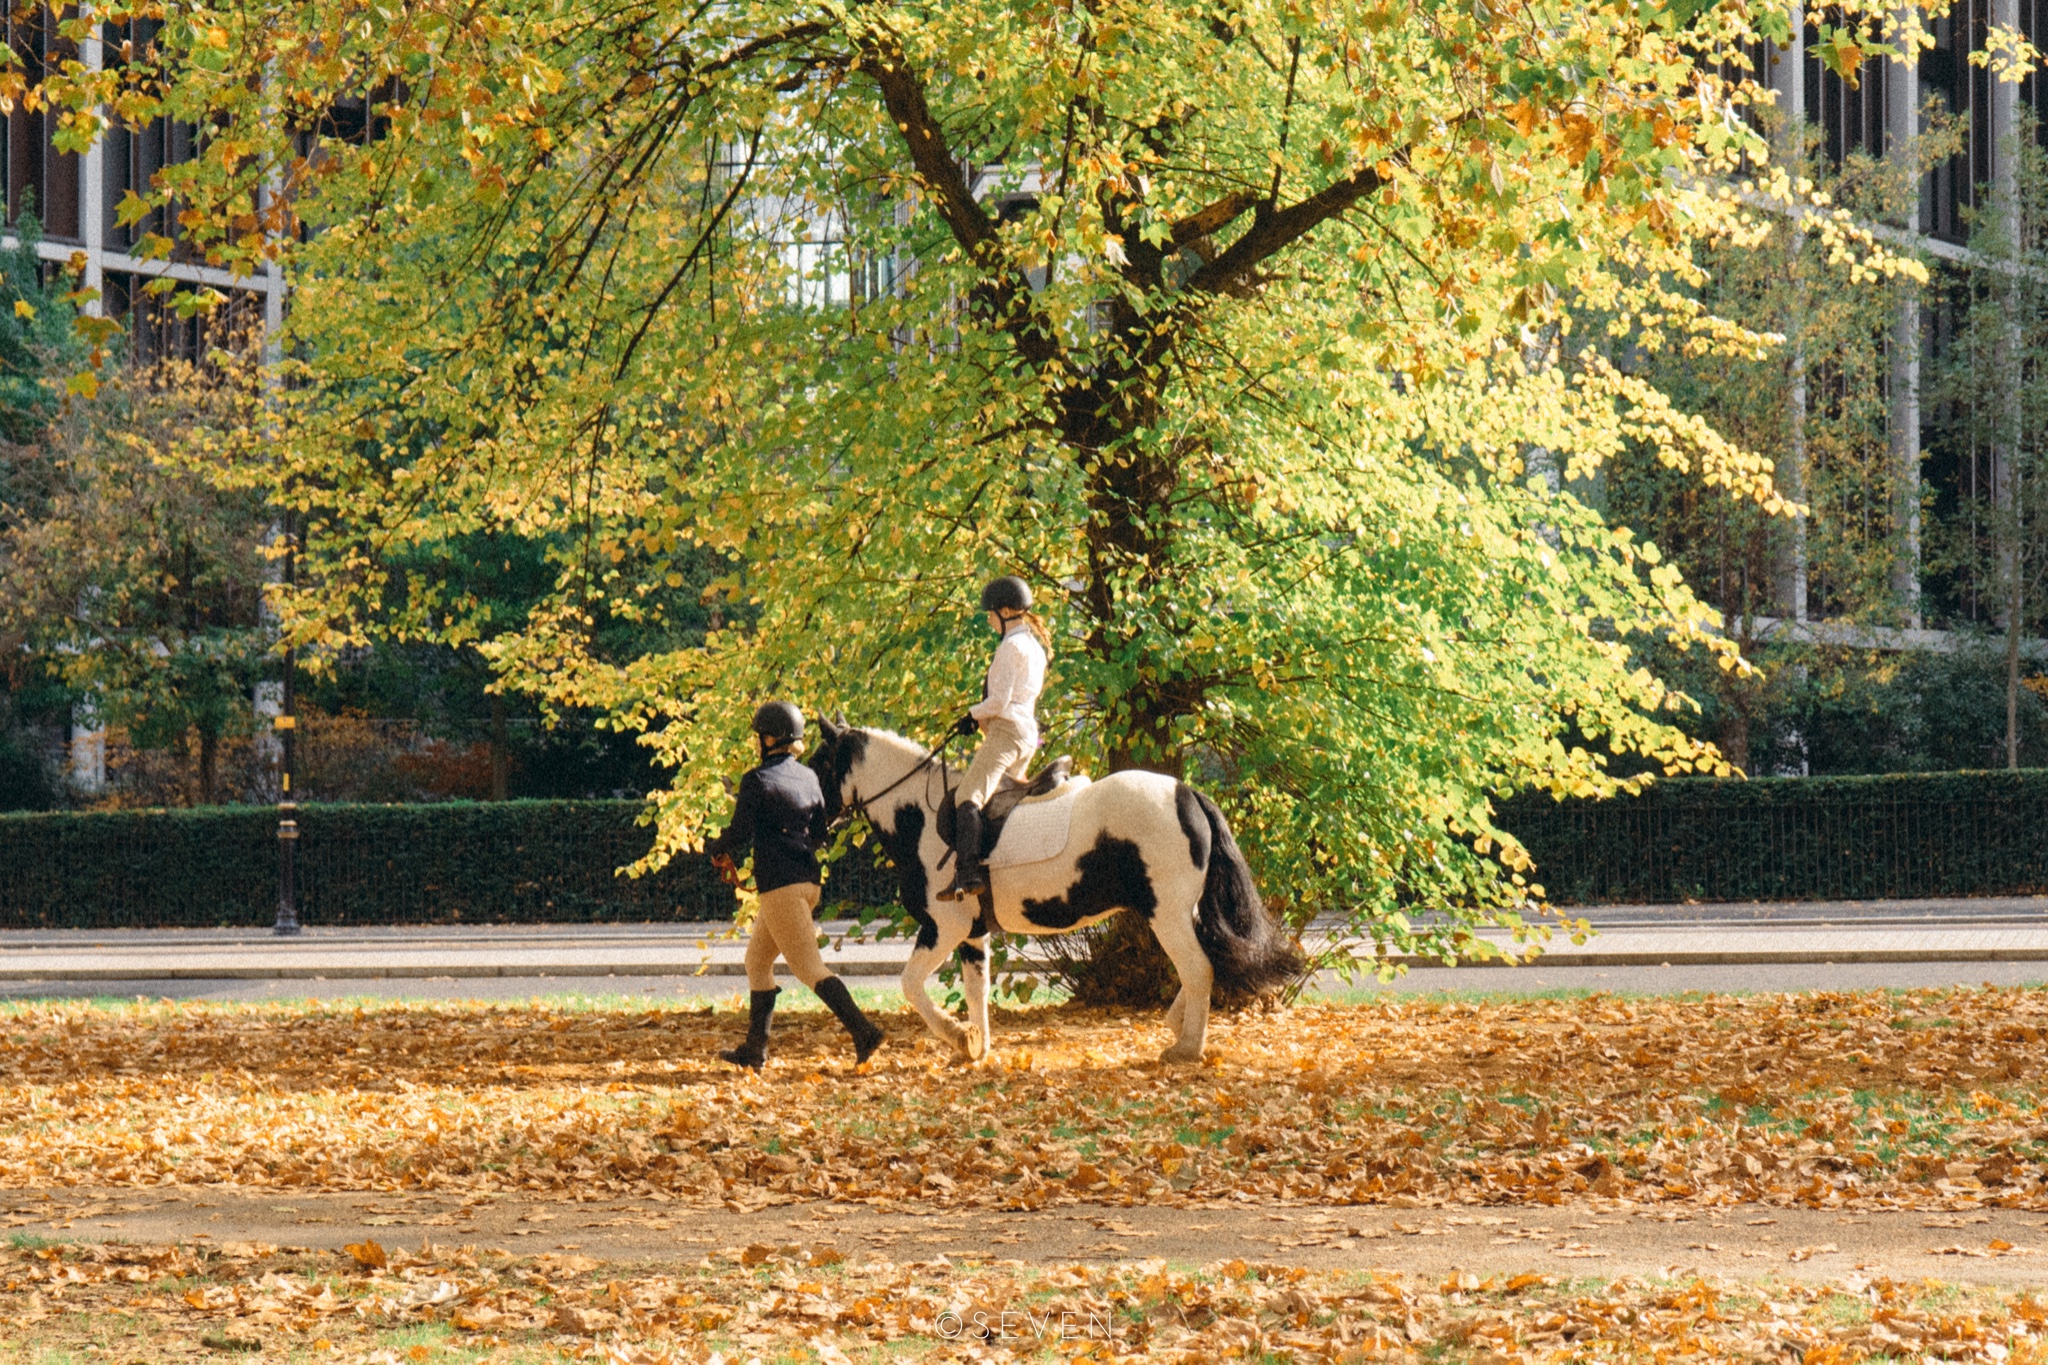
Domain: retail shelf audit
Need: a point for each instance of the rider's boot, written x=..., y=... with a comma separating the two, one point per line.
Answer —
x=970, y=877
x=867, y=1037
x=754, y=1051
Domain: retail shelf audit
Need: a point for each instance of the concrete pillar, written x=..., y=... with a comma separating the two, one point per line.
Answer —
x=1787, y=80
x=2004, y=95
x=1902, y=126
x=88, y=750
x=2005, y=202
x=92, y=188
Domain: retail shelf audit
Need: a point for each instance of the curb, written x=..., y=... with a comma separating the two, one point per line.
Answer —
x=872, y=968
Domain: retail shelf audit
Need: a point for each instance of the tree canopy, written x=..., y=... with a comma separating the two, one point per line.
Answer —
x=1234, y=327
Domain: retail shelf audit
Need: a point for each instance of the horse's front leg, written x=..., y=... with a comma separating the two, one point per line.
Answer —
x=938, y=933
x=974, y=974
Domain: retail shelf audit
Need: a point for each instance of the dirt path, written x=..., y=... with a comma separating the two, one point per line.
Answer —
x=1741, y=1241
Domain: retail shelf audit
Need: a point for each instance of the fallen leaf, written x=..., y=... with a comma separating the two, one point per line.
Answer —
x=368, y=1253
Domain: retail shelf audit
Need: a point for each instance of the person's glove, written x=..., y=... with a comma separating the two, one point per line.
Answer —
x=966, y=725
x=728, y=871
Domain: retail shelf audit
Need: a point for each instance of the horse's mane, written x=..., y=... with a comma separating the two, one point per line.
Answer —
x=890, y=737
x=877, y=732
x=889, y=741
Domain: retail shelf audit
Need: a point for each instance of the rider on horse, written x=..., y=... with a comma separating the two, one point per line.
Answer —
x=1006, y=716
x=780, y=814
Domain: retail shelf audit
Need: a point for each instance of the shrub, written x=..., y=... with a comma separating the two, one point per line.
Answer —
x=508, y=862
x=1823, y=838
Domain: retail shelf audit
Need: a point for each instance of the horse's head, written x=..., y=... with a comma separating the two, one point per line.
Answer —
x=835, y=760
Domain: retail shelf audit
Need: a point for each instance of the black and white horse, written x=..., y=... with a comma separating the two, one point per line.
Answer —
x=1137, y=841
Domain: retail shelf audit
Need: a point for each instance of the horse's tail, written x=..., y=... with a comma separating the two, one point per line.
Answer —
x=1250, y=953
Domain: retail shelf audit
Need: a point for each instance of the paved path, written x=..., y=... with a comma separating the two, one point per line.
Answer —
x=1822, y=934
x=1743, y=1241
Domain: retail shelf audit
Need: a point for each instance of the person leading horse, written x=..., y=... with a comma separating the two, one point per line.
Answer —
x=779, y=814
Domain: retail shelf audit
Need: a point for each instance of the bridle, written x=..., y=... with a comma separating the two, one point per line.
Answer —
x=859, y=804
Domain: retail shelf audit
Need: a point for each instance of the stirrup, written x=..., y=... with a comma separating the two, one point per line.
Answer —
x=959, y=892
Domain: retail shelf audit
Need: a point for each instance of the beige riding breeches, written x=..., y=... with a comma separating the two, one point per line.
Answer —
x=783, y=928
x=1003, y=753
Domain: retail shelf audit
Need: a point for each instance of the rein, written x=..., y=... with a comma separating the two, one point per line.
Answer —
x=932, y=755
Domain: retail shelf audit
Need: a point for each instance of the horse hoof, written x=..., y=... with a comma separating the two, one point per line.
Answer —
x=954, y=1044
x=976, y=1045
x=1180, y=1054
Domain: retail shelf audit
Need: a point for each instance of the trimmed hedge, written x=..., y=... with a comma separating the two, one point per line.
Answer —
x=503, y=862
x=1899, y=836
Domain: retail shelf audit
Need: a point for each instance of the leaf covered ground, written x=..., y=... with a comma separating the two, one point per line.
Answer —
x=1923, y=1099
x=384, y=1306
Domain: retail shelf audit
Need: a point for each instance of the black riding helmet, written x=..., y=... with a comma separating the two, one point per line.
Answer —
x=1006, y=594
x=779, y=722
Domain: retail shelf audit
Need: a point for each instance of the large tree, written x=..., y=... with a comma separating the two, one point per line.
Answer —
x=1222, y=321
x=134, y=578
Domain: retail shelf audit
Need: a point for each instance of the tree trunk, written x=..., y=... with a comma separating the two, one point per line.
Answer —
x=2013, y=616
x=209, y=763
x=1125, y=967
x=1733, y=735
x=1130, y=538
x=501, y=757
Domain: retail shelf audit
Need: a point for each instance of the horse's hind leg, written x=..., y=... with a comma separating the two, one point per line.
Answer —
x=974, y=973
x=1189, y=1013
x=943, y=932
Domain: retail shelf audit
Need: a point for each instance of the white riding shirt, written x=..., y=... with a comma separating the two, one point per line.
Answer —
x=1015, y=678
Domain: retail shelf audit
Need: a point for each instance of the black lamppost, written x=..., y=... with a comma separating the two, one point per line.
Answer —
x=287, y=732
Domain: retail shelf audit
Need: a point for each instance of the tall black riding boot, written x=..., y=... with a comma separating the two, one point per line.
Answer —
x=867, y=1035
x=753, y=1052
x=970, y=877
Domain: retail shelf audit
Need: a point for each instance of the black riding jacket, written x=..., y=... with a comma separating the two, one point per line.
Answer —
x=780, y=814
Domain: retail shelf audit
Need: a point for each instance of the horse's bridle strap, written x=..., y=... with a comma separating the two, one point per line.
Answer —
x=860, y=803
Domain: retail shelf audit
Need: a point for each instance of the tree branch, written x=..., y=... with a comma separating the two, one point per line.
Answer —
x=1205, y=221
x=1277, y=229
x=1005, y=290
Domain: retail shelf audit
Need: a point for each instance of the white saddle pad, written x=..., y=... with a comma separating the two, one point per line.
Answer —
x=1037, y=829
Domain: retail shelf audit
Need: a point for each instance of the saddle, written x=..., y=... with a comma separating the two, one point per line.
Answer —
x=1008, y=797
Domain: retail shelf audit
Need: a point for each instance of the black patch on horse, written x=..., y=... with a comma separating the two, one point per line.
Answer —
x=1112, y=878
x=901, y=844
x=970, y=947
x=1193, y=823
